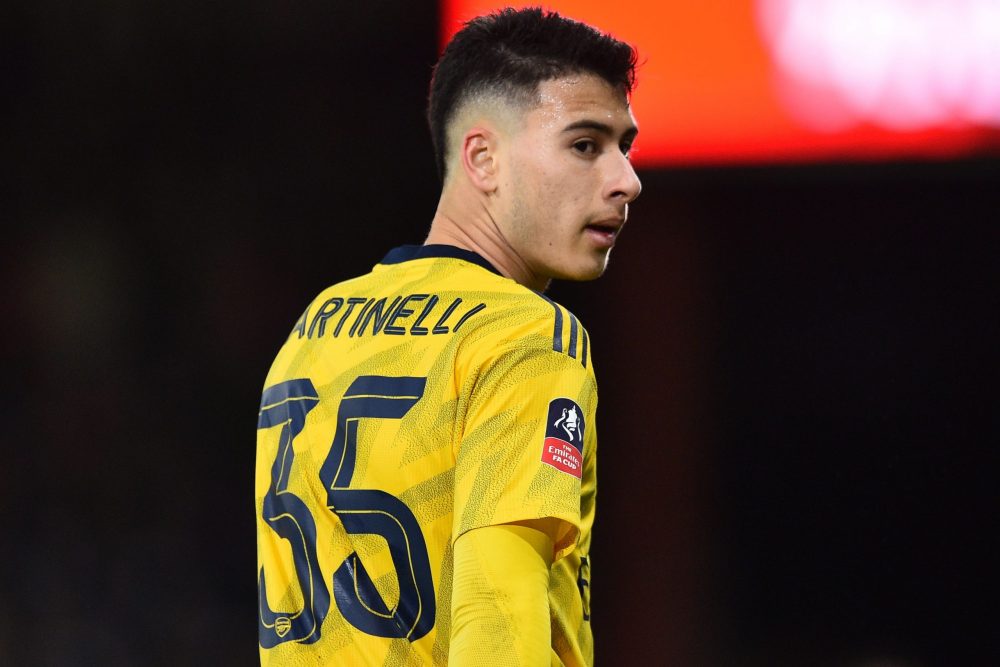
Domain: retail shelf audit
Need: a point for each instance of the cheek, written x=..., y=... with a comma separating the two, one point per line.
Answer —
x=558, y=192
x=550, y=199
x=537, y=190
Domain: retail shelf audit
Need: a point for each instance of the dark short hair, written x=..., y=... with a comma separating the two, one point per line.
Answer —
x=509, y=52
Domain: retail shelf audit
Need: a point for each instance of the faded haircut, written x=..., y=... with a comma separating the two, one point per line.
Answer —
x=508, y=53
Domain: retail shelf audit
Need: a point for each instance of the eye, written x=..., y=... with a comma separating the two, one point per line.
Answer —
x=585, y=146
x=627, y=149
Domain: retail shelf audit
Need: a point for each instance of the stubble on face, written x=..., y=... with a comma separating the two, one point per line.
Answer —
x=558, y=181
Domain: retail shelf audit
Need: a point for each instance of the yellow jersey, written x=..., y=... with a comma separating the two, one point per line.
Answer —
x=427, y=398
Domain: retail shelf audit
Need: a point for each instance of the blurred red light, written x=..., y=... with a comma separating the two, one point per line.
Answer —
x=744, y=81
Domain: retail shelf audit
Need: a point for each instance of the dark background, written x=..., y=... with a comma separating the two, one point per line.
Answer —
x=797, y=364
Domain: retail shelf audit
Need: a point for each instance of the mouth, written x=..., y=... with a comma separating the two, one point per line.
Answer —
x=604, y=232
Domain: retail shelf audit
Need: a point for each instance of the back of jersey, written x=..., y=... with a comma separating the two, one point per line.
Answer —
x=363, y=416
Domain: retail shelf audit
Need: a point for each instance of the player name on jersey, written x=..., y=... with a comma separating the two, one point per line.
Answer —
x=358, y=316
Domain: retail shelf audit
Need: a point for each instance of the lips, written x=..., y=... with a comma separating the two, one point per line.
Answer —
x=605, y=226
x=603, y=232
x=609, y=225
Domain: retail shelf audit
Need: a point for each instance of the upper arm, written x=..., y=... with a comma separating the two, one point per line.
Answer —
x=524, y=443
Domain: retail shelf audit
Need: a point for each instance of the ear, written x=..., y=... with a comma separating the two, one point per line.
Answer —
x=479, y=157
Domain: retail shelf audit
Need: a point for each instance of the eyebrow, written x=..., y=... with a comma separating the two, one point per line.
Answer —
x=603, y=128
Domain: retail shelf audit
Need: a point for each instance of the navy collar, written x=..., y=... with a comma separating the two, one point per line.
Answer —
x=405, y=253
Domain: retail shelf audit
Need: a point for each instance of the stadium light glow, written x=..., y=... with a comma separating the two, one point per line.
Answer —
x=898, y=64
x=752, y=81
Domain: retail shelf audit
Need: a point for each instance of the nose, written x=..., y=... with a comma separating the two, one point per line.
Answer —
x=623, y=183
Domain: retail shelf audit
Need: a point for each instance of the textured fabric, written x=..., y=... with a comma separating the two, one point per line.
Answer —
x=500, y=609
x=425, y=399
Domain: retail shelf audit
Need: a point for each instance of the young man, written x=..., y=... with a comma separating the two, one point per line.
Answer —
x=426, y=444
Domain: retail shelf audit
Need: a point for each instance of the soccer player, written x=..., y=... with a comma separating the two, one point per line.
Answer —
x=426, y=451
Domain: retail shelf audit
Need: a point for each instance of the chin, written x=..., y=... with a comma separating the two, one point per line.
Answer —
x=585, y=273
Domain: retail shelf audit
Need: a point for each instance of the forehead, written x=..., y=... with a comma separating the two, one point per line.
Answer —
x=580, y=97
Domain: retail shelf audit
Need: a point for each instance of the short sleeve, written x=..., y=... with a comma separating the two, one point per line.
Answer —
x=525, y=440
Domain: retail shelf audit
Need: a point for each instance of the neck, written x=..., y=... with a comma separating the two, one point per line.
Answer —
x=468, y=222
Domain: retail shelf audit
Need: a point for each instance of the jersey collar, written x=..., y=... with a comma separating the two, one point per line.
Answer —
x=405, y=253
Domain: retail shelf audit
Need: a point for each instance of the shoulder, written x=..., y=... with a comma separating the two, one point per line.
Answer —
x=569, y=336
x=532, y=350
x=520, y=320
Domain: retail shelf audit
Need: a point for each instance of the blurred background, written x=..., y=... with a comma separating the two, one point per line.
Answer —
x=796, y=340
